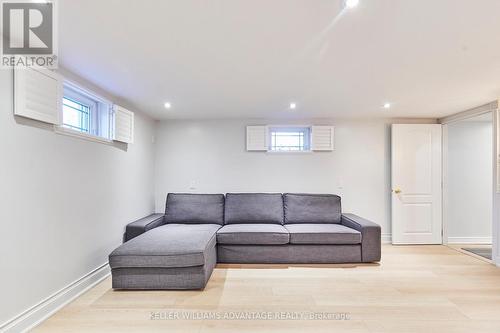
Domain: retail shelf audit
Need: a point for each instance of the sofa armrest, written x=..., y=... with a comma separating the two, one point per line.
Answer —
x=140, y=226
x=370, y=236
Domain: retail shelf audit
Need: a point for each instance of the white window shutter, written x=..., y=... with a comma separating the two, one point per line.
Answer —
x=322, y=138
x=123, y=124
x=257, y=138
x=38, y=94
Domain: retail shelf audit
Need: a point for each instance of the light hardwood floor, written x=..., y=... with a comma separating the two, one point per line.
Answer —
x=414, y=289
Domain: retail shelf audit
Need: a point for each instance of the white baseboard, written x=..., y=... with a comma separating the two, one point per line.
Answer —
x=386, y=238
x=469, y=240
x=35, y=315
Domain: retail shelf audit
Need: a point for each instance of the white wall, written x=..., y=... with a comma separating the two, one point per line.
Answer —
x=470, y=179
x=64, y=203
x=211, y=154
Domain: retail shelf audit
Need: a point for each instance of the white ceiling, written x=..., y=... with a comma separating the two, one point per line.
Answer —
x=251, y=58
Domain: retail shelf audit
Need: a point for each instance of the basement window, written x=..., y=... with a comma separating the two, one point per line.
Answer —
x=290, y=139
x=76, y=114
x=85, y=113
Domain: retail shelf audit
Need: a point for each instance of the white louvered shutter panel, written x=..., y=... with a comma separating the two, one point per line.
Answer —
x=322, y=138
x=123, y=124
x=38, y=94
x=256, y=138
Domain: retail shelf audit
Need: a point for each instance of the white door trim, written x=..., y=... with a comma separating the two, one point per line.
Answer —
x=444, y=175
x=496, y=193
x=490, y=107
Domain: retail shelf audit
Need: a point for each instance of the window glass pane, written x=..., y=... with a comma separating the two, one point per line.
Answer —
x=86, y=113
x=289, y=139
x=76, y=115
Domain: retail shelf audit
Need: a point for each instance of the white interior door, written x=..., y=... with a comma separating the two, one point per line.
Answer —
x=416, y=184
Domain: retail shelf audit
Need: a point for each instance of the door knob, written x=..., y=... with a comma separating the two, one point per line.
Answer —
x=397, y=191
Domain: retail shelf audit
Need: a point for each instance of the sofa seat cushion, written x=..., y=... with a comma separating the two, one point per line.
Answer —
x=171, y=245
x=253, y=234
x=308, y=233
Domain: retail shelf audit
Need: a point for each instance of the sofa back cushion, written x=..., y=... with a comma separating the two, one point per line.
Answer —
x=312, y=208
x=253, y=208
x=194, y=208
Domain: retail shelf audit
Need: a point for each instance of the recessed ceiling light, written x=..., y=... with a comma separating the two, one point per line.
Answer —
x=167, y=105
x=351, y=3
x=293, y=106
x=387, y=105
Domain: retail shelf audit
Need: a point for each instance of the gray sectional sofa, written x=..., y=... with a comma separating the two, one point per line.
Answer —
x=179, y=249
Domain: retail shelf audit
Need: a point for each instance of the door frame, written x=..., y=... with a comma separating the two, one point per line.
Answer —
x=492, y=108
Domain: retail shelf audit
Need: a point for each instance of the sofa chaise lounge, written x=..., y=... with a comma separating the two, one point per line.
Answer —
x=179, y=249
